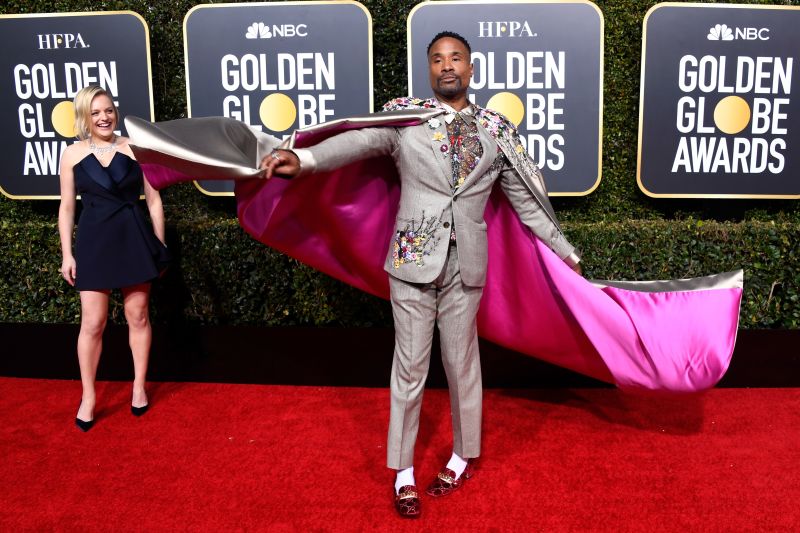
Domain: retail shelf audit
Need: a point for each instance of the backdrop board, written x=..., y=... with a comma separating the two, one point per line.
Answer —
x=278, y=66
x=717, y=116
x=49, y=58
x=540, y=63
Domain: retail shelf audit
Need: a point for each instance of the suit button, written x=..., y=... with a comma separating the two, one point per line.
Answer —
x=446, y=225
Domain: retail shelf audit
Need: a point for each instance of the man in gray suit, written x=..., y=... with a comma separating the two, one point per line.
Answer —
x=438, y=254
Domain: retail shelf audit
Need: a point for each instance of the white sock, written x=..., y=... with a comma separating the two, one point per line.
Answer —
x=457, y=465
x=404, y=477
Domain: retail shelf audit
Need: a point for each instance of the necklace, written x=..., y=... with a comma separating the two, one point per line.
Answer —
x=100, y=150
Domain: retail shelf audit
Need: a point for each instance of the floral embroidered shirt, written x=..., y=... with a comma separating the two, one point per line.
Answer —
x=465, y=146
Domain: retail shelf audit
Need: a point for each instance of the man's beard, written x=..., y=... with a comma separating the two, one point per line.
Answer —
x=450, y=90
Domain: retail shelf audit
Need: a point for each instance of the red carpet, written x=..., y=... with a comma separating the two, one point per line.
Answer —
x=214, y=457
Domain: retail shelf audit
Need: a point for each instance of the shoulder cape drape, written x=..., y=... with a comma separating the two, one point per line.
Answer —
x=675, y=336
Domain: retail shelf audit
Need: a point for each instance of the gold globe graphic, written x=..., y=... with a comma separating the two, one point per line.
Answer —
x=509, y=105
x=277, y=112
x=732, y=114
x=63, y=119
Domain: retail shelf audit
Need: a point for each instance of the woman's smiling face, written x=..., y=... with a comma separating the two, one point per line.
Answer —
x=103, y=117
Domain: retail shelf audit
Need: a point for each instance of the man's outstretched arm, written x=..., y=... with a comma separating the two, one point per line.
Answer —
x=331, y=153
x=535, y=217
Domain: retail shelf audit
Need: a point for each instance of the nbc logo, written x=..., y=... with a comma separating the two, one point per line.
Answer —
x=720, y=32
x=259, y=30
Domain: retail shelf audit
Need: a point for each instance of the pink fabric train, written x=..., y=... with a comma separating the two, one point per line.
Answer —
x=674, y=336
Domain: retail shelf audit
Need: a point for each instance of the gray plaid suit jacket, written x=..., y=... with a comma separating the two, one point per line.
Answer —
x=428, y=205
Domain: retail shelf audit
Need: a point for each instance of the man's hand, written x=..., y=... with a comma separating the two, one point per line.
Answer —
x=281, y=163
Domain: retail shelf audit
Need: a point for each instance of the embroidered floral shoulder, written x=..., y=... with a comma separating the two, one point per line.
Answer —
x=502, y=129
x=494, y=122
x=409, y=102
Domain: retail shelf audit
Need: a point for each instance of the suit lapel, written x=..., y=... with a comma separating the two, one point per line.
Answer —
x=440, y=145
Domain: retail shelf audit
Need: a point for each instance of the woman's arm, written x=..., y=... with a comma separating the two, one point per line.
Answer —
x=66, y=217
x=151, y=196
x=154, y=205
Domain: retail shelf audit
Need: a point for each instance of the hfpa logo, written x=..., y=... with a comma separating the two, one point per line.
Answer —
x=505, y=29
x=55, y=41
x=721, y=32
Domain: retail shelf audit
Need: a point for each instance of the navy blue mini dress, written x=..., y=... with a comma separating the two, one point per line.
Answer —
x=115, y=246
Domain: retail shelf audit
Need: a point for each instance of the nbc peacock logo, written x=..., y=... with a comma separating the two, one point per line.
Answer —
x=720, y=32
x=259, y=30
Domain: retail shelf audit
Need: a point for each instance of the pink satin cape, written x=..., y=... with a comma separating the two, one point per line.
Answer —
x=638, y=337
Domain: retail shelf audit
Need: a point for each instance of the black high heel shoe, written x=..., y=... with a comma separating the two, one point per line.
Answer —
x=84, y=425
x=139, y=411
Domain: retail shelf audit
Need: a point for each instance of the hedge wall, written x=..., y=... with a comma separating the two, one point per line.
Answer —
x=223, y=276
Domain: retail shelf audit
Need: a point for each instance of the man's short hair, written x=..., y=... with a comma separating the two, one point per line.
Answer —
x=452, y=35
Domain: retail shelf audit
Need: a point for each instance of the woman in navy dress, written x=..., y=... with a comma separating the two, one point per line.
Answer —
x=115, y=247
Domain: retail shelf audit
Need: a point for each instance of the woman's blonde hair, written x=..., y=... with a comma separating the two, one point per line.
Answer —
x=83, y=109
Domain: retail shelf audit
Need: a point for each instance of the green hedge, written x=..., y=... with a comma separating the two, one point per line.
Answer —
x=226, y=277
x=222, y=276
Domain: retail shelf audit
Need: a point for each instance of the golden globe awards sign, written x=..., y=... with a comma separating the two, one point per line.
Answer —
x=278, y=67
x=718, y=118
x=538, y=63
x=54, y=56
